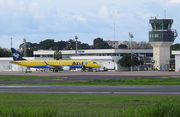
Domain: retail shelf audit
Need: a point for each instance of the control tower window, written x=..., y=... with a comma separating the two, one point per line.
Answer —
x=152, y=26
x=165, y=25
x=158, y=25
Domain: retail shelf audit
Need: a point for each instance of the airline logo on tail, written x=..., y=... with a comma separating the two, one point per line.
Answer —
x=16, y=56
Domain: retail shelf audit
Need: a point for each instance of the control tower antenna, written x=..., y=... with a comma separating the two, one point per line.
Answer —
x=164, y=14
x=114, y=24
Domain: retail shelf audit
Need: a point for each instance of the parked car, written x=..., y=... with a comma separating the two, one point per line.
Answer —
x=172, y=69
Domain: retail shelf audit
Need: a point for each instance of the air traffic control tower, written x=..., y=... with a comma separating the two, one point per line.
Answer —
x=161, y=38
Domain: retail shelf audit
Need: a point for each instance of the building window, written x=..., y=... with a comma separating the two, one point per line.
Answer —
x=158, y=25
x=149, y=54
x=165, y=25
x=160, y=35
x=156, y=35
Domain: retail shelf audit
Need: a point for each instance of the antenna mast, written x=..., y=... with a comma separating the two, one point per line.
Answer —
x=114, y=29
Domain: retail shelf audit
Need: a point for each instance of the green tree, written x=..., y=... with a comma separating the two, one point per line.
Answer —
x=29, y=45
x=29, y=52
x=5, y=53
x=103, y=45
x=57, y=55
x=174, y=47
x=126, y=61
x=71, y=44
x=47, y=44
x=84, y=46
x=97, y=41
x=30, y=48
x=61, y=45
x=100, y=44
x=122, y=46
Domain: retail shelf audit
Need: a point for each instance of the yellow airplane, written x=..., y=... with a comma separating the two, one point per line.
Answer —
x=56, y=65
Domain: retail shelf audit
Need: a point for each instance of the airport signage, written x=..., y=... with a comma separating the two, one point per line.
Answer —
x=81, y=51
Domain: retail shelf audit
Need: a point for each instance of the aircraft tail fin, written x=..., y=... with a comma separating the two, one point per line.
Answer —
x=15, y=55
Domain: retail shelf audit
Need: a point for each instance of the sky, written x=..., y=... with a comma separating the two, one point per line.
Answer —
x=38, y=20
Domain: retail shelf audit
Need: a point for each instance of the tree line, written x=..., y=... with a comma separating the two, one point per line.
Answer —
x=5, y=53
x=50, y=44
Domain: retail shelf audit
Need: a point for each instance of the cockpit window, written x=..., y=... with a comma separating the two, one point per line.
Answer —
x=94, y=63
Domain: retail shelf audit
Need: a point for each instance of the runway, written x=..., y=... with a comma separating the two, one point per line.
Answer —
x=108, y=90
x=76, y=76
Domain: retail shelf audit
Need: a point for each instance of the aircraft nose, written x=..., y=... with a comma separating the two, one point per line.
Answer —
x=98, y=65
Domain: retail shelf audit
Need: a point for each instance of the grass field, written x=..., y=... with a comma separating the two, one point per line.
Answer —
x=15, y=78
x=122, y=82
x=164, y=81
x=86, y=105
x=80, y=105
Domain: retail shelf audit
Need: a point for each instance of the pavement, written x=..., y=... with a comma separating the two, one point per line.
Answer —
x=107, y=90
x=76, y=76
x=113, y=73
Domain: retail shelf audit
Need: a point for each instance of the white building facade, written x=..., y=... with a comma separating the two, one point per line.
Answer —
x=177, y=60
x=107, y=58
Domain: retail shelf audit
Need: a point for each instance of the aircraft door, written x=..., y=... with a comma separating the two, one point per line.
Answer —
x=28, y=63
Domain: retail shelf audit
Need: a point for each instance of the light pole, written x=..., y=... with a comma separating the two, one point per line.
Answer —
x=24, y=47
x=11, y=42
x=76, y=37
x=131, y=36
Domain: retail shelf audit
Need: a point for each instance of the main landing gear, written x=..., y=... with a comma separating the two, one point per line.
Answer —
x=28, y=70
x=55, y=70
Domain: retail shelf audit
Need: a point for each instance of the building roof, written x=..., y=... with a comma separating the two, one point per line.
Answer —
x=94, y=51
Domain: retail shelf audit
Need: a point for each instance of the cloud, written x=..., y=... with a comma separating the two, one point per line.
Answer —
x=79, y=18
x=41, y=19
x=18, y=42
x=175, y=1
x=103, y=13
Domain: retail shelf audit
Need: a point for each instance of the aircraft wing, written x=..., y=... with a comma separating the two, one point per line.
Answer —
x=60, y=67
x=56, y=67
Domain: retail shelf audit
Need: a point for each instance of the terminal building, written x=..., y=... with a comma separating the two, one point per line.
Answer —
x=107, y=58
